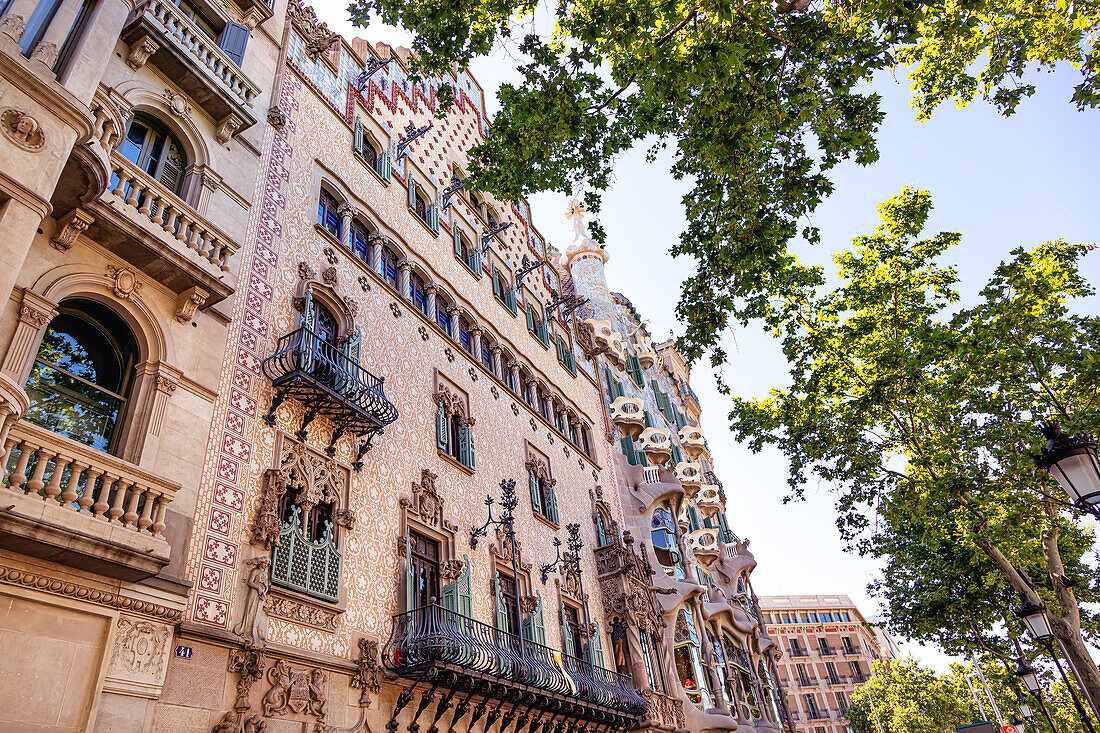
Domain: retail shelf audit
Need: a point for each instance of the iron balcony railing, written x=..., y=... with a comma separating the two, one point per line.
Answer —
x=851, y=651
x=826, y=651
x=799, y=652
x=318, y=374
x=437, y=636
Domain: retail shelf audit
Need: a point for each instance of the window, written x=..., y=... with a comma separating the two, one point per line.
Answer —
x=841, y=702
x=387, y=266
x=502, y=287
x=453, y=428
x=465, y=338
x=424, y=558
x=572, y=631
x=528, y=388
x=468, y=253
x=663, y=535
x=813, y=618
x=507, y=596
x=830, y=671
x=536, y=324
x=486, y=355
x=543, y=500
x=565, y=354
x=634, y=369
x=849, y=647
x=604, y=533
x=856, y=670
x=442, y=315
x=152, y=148
x=811, y=705
x=509, y=375
x=360, y=241
x=650, y=651
x=803, y=675
x=326, y=213
x=416, y=293
x=422, y=206
x=82, y=374
x=370, y=151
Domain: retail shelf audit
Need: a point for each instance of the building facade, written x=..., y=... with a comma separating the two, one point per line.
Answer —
x=301, y=435
x=829, y=648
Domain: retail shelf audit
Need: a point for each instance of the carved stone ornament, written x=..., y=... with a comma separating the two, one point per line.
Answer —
x=364, y=283
x=330, y=256
x=528, y=605
x=450, y=354
x=538, y=466
x=533, y=426
x=227, y=128
x=423, y=333
x=176, y=103
x=140, y=51
x=27, y=579
x=515, y=410
x=13, y=25
x=368, y=676
x=34, y=317
x=238, y=722
x=395, y=310
x=425, y=502
x=125, y=282
x=495, y=392
x=473, y=375
x=305, y=272
x=570, y=581
x=453, y=404
x=71, y=227
x=276, y=118
x=189, y=302
x=22, y=129
x=314, y=479
x=298, y=612
x=450, y=569
x=316, y=34
x=265, y=530
x=141, y=648
x=296, y=691
x=503, y=549
x=166, y=384
x=249, y=665
x=252, y=628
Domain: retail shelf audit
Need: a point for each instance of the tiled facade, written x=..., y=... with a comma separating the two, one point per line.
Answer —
x=260, y=378
x=828, y=651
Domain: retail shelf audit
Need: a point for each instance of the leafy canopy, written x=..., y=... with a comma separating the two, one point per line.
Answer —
x=759, y=99
x=920, y=414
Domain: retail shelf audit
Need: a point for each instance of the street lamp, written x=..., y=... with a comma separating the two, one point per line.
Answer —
x=1024, y=708
x=1072, y=461
x=1035, y=620
x=1027, y=676
x=1031, y=682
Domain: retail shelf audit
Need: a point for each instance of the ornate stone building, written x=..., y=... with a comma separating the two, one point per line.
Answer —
x=829, y=650
x=675, y=579
x=130, y=137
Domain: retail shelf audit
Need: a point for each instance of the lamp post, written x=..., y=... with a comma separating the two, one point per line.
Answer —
x=1031, y=683
x=572, y=558
x=506, y=523
x=1072, y=461
x=1038, y=625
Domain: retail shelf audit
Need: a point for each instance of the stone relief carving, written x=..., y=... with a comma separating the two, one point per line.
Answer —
x=425, y=503
x=34, y=317
x=315, y=479
x=125, y=284
x=22, y=129
x=502, y=548
x=298, y=612
x=227, y=128
x=368, y=677
x=141, y=648
x=265, y=530
x=249, y=665
x=453, y=403
x=189, y=302
x=252, y=628
x=72, y=226
x=316, y=34
x=176, y=103
x=140, y=51
x=46, y=584
x=450, y=569
x=276, y=118
x=235, y=722
x=296, y=691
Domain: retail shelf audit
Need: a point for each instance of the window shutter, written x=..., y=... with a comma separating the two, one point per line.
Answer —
x=410, y=576
x=358, y=135
x=567, y=635
x=533, y=482
x=693, y=518
x=493, y=274
x=412, y=193
x=571, y=361
x=597, y=648
x=543, y=332
x=233, y=41
x=351, y=346
x=510, y=299
x=475, y=259
x=450, y=596
x=172, y=169
x=433, y=218
x=648, y=419
x=677, y=456
x=530, y=318
x=627, y=446
x=551, y=505
x=540, y=624
x=464, y=593
x=384, y=165
x=307, y=346
x=466, y=446
x=440, y=427
x=457, y=240
x=502, y=609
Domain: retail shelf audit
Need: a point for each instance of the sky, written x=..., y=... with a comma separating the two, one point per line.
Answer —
x=1001, y=182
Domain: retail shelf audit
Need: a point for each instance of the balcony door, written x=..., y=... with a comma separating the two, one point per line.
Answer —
x=156, y=151
x=423, y=571
x=507, y=604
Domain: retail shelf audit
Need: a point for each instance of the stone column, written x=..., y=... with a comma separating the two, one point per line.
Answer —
x=498, y=365
x=475, y=341
x=35, y=314
x=95, y=46
x=47, y=50
x=153, y=385
x=404, y=267
x=346, y=212
x=429, y=293
x=15, y=20
x=19, y=221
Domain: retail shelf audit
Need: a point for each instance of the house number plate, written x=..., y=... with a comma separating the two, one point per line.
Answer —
x=184, y=652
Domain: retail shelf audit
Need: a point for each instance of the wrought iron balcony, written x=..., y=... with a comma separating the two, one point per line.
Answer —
x=444, y=648
x=327, y=383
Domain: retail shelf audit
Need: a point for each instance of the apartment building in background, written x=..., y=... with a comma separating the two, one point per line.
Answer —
x=829, y=648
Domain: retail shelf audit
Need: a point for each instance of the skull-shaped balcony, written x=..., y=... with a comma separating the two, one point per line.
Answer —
x=628, y=416
x=647, y=357
x=689, y=475
x=709, y=500
x=656, y=443
x=703, y=543
x=329, y=384
x=692, y=441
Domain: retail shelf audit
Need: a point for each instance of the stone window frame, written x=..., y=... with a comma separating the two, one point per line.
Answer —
x=538, y=462
x=455, y=403
x=422, y=511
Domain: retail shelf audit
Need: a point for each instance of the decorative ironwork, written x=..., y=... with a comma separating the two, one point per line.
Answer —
x=488, y=234
x=437, y=638
x=449, y=192
x=373, y=65
x=528, y=267
x=330, y=384
x=572, y=305
x=412, y=132
x=305, y=565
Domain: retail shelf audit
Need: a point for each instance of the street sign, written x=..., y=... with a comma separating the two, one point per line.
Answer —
x=1008, y=729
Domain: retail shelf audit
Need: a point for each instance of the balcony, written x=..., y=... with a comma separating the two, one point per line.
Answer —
x=692, y=442
x=459, y=653
x=808, y=682
x=608, y=341
x=155, y=231
x=852, y=651
x=329, y=384
x=688, y=474
x=836, y=680
x=818, y=715
x=651, y=475
x=663, y=711
x=77, y=506
x=657, y=445
x=647, y=357
x=826, y=651
x=158, y=31
x=628, y=416
x=704, y=545
x=709, y=500
x=799, y=652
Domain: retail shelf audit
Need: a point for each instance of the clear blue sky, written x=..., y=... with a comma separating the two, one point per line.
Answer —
x=1002, y=182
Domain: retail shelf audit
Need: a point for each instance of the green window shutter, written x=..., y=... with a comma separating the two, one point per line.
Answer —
x=536, y=500
x=540, y=624
x=412, y=193
x=627, y=446
x=493, y=275
x=358, y=135
x=457, y=240
x=510, y=299
x=440, y=427
x=410, y=577
x=433, y=218
x=543, y=332
x=465, y=602
x=693, y=518
x=449, y=598
x=597, y=647
x=466, y=447
x=551, y=505
x=567, y=635
x=571, y=361
x=475, y=260
x=648, y=419
x=611, y=395
x=384, y=165
x=635, y=367
x=502, y=609
x=530, y=318
x=677, y=456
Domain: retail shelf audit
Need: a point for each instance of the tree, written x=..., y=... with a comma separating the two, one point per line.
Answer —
x=920, y=414
x=759, y=99
x=911, y=698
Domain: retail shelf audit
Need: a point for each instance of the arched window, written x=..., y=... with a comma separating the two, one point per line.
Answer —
x=604, y=534
x=369, y=151
x=326, y=213
x=156, y=151
x=315, y=524
x=442, y=315
x=528, y=388
x=360, y=241
x=508, y=376
x=388, y=266
x=81, y=376
x=486, y=354
x=464, y=336
x=543, y=498
x=417, y=294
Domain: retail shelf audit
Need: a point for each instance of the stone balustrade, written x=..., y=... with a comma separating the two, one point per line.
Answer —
x=657, y=445
x=72, y=477
x=628, y=416
x=166, y=212
x=651, y=475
